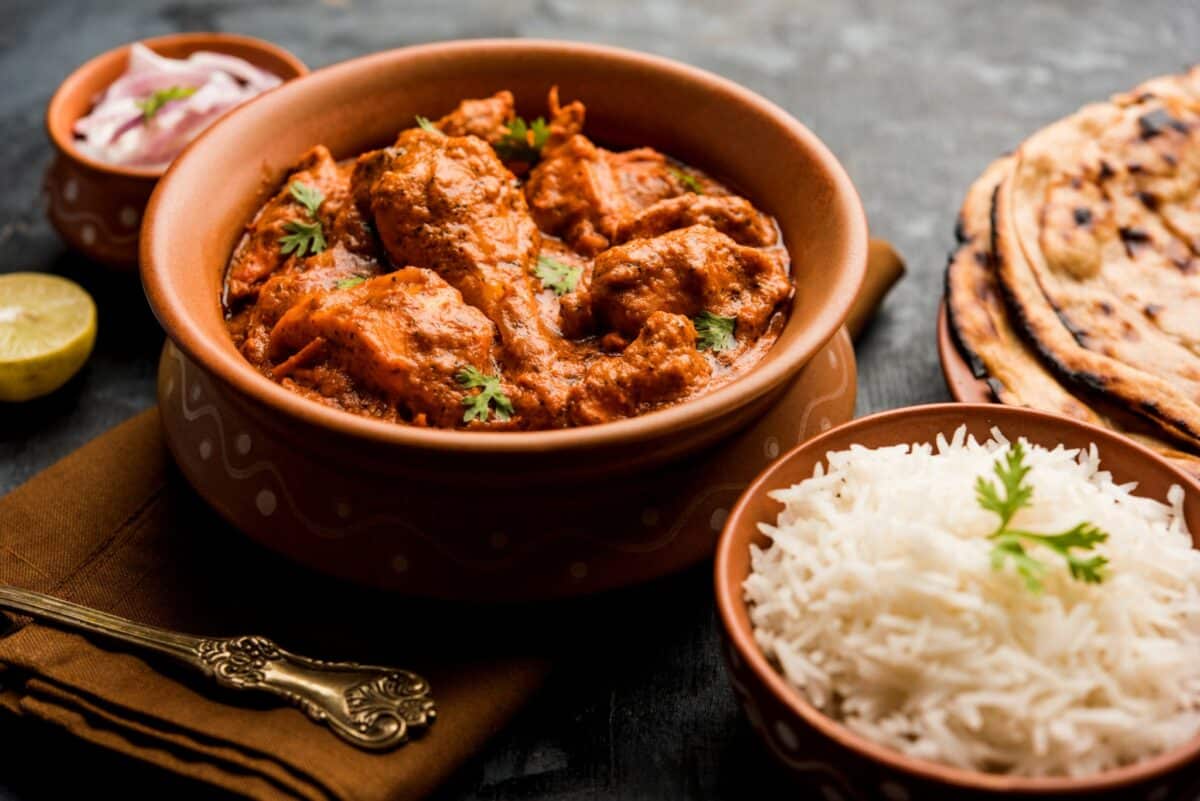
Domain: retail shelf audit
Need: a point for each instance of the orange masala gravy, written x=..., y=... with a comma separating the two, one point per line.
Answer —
x=467, y=276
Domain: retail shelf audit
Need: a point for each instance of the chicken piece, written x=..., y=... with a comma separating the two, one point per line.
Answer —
x=348, y=227
x=403, y=336
x=572, y=310
x=686, y=272
x=661, y=366
x=486, y=118
x=447, y=203
x=731, y=215
x=581, y=192
x=565, y=122
x=563, y=275
x=367, y=169
x=575, y=311
x=260, y=254
x=322, y=273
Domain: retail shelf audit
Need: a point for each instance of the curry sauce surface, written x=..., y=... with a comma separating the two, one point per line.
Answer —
x=488, y=274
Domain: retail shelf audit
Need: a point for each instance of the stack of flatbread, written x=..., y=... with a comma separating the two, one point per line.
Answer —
x=1076, y=284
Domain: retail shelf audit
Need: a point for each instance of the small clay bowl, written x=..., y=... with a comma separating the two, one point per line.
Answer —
x=479, y=514
x=843, y=764
x=97, y=207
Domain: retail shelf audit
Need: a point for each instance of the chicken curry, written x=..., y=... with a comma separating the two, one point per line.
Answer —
x=485, y=272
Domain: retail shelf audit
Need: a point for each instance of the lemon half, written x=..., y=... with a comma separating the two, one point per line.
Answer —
x=47, y=329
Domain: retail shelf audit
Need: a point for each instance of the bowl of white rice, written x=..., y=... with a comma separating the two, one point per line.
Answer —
x=955, y=600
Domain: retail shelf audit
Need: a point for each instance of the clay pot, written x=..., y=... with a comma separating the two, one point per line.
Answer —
x=470, y=513
x=97, y=207
x=843, y=764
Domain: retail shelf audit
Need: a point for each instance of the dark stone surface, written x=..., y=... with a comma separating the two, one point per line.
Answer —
x=915, y=98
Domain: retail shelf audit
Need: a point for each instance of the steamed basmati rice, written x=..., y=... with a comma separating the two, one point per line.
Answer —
x=877, y=599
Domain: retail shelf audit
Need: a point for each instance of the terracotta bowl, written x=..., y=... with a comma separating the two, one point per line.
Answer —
x=481, y=514
x=820, y=751
x=97, y=207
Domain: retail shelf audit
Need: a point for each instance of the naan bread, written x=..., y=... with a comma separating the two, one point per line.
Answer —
x=1098, y=249
x=979, y=319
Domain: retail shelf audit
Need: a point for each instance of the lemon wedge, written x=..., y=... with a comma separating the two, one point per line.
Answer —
x=47, y=329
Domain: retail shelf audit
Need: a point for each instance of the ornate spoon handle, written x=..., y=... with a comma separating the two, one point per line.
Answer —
x=376, y=708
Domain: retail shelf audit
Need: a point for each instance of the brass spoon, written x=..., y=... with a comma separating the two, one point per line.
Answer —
x=375, y=708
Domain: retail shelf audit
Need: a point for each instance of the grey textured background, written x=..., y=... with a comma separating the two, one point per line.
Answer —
x=914, y=97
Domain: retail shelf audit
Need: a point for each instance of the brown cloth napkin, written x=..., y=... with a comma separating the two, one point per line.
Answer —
x=113, y=526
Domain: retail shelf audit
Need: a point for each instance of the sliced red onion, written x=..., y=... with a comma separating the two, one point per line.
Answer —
x=117, y=131
x=244, y=71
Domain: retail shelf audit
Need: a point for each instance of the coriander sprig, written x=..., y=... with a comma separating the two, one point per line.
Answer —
x=1011, y=470
x=558, y=277
x=425, y=125
x=1010, y=544
x=160, y=97
x=307, y=196
x=304, y=236
x=523, y=141
x=489, y=400
x=351, y=282
x=714, y=332
x=690, y=182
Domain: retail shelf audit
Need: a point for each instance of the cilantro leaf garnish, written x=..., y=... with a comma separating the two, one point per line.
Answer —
x=715, y=332
x=1011, y=470
x=687, y=179
x=1028, y=568
x=302, y=236
x=160, y=97
x=556, y=276
x=307, y=196
x=352, y=281
x=523, y=141
x=489, y=400
x=425, y=125
x=1011, y=544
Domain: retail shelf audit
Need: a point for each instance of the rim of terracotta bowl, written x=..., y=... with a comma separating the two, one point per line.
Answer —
x=731, y=608
x=172, y=308
x=60, y=123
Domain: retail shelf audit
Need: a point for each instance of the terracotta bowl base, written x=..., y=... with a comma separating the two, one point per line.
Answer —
x=476, y=542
